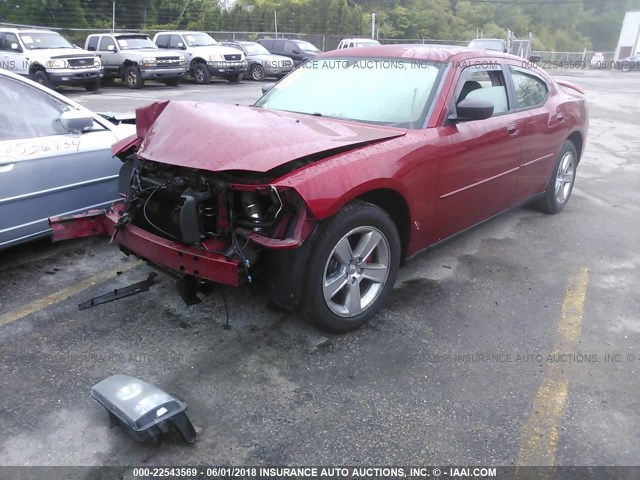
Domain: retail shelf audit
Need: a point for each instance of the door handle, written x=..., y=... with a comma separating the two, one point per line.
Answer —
x=560, y=117
x=512, y=130
x=6, y=164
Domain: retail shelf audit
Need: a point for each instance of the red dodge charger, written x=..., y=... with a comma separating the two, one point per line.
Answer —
x=355, y=161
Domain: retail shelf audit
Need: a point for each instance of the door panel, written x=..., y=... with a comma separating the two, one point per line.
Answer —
x=45, y=171
x=51, y=176
x=477, y=172
x=478, y=160
x=539, y=144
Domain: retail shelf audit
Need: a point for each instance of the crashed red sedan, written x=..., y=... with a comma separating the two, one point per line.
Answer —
x=354, y=162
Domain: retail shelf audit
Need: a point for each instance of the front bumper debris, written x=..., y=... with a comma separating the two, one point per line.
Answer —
x=182, y=259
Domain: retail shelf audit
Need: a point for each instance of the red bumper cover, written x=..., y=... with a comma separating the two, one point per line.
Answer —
x=180, y=258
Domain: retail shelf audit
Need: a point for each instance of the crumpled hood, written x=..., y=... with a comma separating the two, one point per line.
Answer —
x=220, y=137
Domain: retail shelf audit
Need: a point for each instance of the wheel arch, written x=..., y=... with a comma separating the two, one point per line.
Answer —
x=35, y=67
x=392, y=202
x=578, y=141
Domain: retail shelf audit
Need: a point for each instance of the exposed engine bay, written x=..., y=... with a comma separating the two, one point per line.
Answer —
x=209, y=211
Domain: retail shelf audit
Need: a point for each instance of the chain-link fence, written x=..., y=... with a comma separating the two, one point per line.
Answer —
x=584, y=56
x=324, y=42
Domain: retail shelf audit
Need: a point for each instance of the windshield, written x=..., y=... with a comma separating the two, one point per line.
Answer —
x=255, y=49
x=38, y=40
x=134, y=43
x=199, y=40
x=381, y=91
x=306, y=46
x=487, y=45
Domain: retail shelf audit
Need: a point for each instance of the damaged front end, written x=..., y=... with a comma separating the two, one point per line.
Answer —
x=198, y=225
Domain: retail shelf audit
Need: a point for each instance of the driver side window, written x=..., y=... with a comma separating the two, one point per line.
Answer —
x=28, y=112
x=484, y=83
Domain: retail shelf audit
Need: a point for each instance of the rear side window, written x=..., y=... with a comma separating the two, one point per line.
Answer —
x=266, y=43
x=278, y=46
x=28, y=112
x=92, y=44
x=531, y=91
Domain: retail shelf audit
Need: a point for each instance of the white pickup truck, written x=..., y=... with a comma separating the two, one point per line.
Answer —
x=205, y=55
x=48, y=58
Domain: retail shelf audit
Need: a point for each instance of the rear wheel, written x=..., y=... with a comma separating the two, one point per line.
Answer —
x=42, y=78
x=133, y=78
x=562, y=179
x=353, y=268
x=200, y=73
x=257, y=72
x=92, y=85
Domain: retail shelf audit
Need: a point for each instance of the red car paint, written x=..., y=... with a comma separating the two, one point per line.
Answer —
x=221, y=137
x=447, y=176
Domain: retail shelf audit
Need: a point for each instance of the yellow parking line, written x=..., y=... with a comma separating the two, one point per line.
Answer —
x=63, y=294
x=540, y=433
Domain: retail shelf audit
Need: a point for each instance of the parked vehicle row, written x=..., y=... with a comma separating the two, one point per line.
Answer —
x=47, y=58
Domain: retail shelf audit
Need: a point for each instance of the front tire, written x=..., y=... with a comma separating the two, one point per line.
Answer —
x=200, y=73
x=562, y=180
x=257, y=72
x=353, y=268
x=42, y=78
x=132, y=77
x=92, y=85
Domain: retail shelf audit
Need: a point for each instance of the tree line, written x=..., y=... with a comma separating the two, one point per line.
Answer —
x=555, y=24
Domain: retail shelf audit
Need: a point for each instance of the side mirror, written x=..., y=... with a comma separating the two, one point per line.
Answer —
x=472, y=109
x=181, y=46
x=75, y=121
x=267, y=86
x=112, y=48
x=15, y=47
x=297, y=52
x=535, y=58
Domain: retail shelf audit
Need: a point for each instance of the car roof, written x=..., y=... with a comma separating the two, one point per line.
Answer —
x=360, y=39
x=130, y=34
x=437, y=53
x=179, y=32
x=26, y=30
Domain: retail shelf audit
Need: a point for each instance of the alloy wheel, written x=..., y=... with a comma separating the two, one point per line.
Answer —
x=564, y=177
x=356, y=271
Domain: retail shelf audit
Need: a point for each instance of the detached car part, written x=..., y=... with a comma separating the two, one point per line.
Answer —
x=144, y=409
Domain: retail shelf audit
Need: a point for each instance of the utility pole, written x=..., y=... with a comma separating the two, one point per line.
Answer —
x=373, y=25
x=275, y=21
x=113, y=18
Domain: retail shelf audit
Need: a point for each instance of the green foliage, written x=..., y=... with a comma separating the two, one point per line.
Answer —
x=560, y=26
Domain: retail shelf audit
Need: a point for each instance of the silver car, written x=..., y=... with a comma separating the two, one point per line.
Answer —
x=55, y=158
x=261, y=63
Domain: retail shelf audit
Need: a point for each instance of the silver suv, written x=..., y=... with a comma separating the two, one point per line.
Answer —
x=134, y=58
x=48, y=58
x=206, y=56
